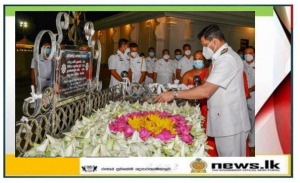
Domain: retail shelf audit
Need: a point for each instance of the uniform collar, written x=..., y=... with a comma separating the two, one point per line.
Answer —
x=165, y=61
x=151, y=58
x=187, y=58
x=250, y=65
x=218, y=53
x=120, y=53
x=137, y=57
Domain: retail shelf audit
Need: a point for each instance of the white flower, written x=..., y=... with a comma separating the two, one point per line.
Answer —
x=92, y=137
x=43, y=146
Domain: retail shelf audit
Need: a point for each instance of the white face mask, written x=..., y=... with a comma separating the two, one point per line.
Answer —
x=248, y=57
x=127, y=51
x=166, y=57
x=207, y=52
x=133, y=54
x=187, y=52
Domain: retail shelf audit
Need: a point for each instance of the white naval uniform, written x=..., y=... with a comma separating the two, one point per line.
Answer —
x=228, y=119
x=185, y=65
x=120, y=63
x=164, y=71
x=137, y=66
x=175, y=63
x=150, y=65
x=45, y=71
x=250, y=73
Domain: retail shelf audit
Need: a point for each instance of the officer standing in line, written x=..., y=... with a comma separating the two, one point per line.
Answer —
x=118, y=62
x=164, y=70
x=178, y=56
x=185, y=63
x=137, y=67
x=228, y=118
x=150, y=65
x=249, y=69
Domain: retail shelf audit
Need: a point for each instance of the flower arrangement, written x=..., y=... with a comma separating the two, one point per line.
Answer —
x=122, y=129
x=161, y=125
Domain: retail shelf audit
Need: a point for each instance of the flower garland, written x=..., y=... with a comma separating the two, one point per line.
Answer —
x=122, y=129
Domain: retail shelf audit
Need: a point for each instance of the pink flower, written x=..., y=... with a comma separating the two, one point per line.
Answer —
x=144, y=134
x=163, y=114
x=145, y=113
x=128, y=131
x=186, y=129
x=173, y=119
x=181, y=122
x=113, y=127
x=181, y=129
x=165, y=135
x=187, y=139
x=177, y=117
x=121, y=126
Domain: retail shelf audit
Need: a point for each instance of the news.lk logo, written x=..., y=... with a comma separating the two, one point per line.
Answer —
x=269, y=165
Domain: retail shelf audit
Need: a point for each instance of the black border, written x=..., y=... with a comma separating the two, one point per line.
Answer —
x=81, y=176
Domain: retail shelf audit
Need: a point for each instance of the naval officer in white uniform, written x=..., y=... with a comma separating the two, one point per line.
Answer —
x=137, y=65
x=164, y=69
x=119, y=62
x=150, y=65
x=178, y=56
x=185, y=64
x=249, y=69
x=228, y=119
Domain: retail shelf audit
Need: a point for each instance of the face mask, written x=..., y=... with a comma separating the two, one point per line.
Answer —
x=134, y=54
x=242, y=56
x=187, y=52
x=166, y=57
x=207, y=52
x=248, y=57
x=178, y=57
x=151, y=54
x=198, y=64
x=48, y=51
x=127, y=51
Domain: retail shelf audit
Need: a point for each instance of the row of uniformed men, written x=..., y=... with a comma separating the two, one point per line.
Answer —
x=149, y=69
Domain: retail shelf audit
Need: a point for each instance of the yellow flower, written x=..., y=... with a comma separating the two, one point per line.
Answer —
x=134, y=123
x=153, y=123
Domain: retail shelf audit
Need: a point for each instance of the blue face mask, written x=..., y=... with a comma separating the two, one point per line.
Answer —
x=198, y=64
x=48, y=51
x=242, y=56
x=178, y=57
x=151, y=54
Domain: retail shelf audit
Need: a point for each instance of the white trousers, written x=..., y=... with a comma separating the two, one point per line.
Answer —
x=251, y=111
x=232, y=146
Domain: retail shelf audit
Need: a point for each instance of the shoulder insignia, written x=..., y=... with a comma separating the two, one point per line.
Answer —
x=120, y=58
x=224, y=51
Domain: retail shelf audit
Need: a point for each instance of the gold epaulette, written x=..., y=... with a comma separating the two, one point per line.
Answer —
x=224, y=51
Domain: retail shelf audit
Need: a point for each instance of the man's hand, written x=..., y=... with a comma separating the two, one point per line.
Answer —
x=115, y=75
x=252, y=89
x=164, y=97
